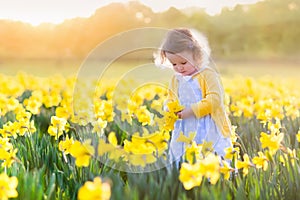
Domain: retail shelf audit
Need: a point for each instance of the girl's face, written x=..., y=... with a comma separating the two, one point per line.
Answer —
x=183, y=63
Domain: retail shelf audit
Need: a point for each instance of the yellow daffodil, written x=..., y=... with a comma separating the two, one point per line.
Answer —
x=58, y=125
x=52, y=99
x=231, y=152
x=113, y=139
x=5, y=144
x=12, y=104
x=8, y=186
x=66, y=145
x=137, y=98
x=138, y=151
x=117, y=154
x=138, y=159
x=146, y=149
x=169, y=120
x=298, y=136
x=275, y=127
x=271, y=141
x=10, y=158
x=233, y=136
x=82, y=153
x=192, y=153
x=289, y=155
x=105, y=111
x=260, y=161
x=104, y=147
x=96, y=190
x=206, y=147
x=144, y=116
x=10, y=129
x=225, y=169
x=23, y=116
x=190, y=175
x=210, y=167
x=186, y=139
x=245, y=165
x=33, y=105
x=63, y=112
x=26, y=127
x=99, y=126
x=174, y=106
x=157, y=105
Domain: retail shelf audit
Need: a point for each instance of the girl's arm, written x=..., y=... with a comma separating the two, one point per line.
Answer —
x=213, y=93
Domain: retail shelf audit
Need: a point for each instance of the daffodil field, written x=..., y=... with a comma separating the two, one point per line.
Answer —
x=100, y=143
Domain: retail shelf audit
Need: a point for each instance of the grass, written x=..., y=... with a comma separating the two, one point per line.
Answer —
x=228, y=68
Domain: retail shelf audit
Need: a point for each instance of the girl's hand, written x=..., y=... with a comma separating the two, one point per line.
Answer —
x=185, y=113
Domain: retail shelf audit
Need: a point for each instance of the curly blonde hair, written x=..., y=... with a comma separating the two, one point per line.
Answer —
x=183, y=39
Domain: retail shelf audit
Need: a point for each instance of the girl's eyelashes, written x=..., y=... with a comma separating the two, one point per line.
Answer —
x=183, y=63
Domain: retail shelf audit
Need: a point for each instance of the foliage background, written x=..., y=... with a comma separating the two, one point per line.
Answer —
x=267, y=29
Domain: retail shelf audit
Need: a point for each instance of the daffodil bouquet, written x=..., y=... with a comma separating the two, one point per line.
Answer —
x=171, y=115
x=174, y=106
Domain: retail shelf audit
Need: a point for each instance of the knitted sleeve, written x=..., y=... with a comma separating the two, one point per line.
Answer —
x=211, y=92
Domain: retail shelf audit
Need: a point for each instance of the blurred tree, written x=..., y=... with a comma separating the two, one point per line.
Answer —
x=270, y=27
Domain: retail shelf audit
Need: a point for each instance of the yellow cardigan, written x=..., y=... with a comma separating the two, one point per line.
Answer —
x=212, y=98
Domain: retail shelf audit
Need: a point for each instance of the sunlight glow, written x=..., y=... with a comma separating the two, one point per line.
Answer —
x=36, y=12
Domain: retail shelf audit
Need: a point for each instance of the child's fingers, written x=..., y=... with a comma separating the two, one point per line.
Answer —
x=179, y=114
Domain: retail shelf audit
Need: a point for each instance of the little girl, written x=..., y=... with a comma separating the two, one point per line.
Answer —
x=198, y=88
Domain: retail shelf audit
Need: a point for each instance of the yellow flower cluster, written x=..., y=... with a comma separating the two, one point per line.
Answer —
x=145, y=150
x=264, y=98
x=82, y=152
x=208, y=166
x=101, y=106
x=139, y=151
x=202, y=162
x=57, y=127
x=170, y=116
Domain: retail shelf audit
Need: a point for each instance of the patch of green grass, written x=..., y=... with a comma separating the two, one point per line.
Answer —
x=228, y=68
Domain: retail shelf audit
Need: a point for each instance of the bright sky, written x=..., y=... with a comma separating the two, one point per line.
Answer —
x=56, y=11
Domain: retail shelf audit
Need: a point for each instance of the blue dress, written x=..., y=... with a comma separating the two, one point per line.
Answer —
x=189, y=92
